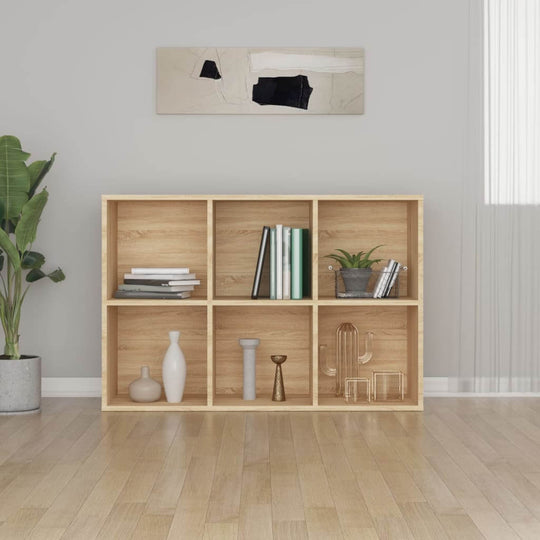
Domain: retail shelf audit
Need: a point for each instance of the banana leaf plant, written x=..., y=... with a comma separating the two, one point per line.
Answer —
x=354, y=260
x=21, y=206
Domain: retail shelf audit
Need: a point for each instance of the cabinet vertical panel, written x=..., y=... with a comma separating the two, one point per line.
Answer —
x=163, y=234
x=211, y=356
x=109, y=247
x=282, y=330
x=415, y=248
x=413, y=354
x=109, y=366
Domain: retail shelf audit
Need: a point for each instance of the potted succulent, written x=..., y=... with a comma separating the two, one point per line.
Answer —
x=355, y=268
x=21, y=206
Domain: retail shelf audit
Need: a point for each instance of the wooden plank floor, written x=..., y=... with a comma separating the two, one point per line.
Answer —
x=465, y=468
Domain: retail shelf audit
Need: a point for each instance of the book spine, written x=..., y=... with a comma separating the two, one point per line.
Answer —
x=279, y=262
x=296, y=264
x=160, y=270
x=159, y=276
x=378, y=285
x=387, y=271
x=164, y=282
x=150, y=295
x=286, y=263
x=306, y=264
x=272, y=264
x=393, y=279
x=260, y=263
x=155, y=288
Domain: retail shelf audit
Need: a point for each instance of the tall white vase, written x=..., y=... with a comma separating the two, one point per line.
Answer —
x=174, y=370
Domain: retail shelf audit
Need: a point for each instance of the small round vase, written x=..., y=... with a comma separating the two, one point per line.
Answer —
x=145, y=389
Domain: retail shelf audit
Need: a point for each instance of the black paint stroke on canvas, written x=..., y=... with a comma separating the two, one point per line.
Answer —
x=210, y=70
x=285, y=91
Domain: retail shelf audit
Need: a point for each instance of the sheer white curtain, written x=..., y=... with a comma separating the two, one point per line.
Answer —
x=512, y=101
x=500, y=342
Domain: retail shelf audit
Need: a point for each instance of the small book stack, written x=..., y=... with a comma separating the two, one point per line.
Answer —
x=157, y=283
x=387, y=279
x=285, y=251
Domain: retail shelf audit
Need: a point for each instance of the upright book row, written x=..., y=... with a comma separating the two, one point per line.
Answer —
x=283, y=269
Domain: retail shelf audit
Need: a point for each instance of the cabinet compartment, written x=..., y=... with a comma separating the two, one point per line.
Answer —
x=158, y=233
x=282, y=330
x=238, y=227
x=361, y=225
x=141, y=335
x=395, y=329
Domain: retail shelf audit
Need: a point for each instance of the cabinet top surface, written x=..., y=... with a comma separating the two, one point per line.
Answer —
x=356, y=197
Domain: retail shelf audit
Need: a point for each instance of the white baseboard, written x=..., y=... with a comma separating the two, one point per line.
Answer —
x=71, y=386
x=436, y=385
x=91, y=387
x=442, y=387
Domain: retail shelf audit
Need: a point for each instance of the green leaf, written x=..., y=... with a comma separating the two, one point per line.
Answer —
x=34, y=275
x=341, y=260
x=1, y=262
x=14, y=177
x=57, y=275
x=32, y=259
x=8, y=225
x=37, y=274
x=368, y=254
x=26, y=229
x=38, y=171
x=7, y=245
x=348, y=256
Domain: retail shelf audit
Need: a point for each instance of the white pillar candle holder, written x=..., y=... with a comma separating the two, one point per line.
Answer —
x=249, y=346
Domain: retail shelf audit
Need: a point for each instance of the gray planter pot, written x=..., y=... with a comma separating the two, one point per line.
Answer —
x=355, y=279
x=20, y=385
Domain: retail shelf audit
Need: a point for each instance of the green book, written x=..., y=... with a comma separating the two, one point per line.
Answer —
x=296, y=264
x=306, y=266
x=272, y=264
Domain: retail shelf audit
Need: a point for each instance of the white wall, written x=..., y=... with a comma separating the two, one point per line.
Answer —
x=78, y=78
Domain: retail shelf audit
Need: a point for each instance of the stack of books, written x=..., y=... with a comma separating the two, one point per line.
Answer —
x=285, y=253
x=157, y=283
x=387, y=279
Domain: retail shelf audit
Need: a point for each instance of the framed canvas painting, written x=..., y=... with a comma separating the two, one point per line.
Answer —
x=260, y=80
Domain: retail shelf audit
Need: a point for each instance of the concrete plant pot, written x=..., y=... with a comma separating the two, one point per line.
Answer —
x=20, y=385
x=356, y=279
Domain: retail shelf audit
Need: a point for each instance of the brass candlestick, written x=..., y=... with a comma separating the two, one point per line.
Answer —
x=279, y=390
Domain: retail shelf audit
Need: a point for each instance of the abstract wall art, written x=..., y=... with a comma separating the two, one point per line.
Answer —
x=260, y=81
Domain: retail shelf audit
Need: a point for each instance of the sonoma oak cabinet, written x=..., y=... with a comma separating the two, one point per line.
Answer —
x=218, y=236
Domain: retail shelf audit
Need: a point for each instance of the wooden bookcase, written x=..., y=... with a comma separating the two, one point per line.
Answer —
x=217, y=236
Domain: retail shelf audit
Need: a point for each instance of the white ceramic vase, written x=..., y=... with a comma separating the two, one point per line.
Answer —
x=174, y=370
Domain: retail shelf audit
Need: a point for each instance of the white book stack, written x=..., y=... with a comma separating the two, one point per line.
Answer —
x=158, y=283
